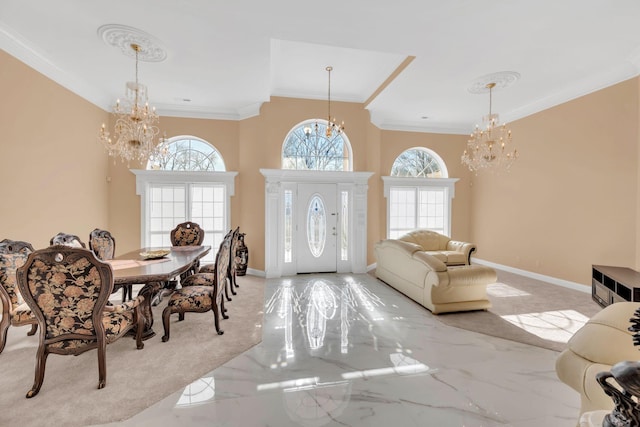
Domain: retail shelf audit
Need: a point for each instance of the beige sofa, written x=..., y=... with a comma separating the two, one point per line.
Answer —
x=601, y=343
x=429, y=281
x=451, y=252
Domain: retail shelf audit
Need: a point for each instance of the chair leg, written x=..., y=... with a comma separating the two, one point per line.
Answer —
x=127, y=290
x=223, y=310
x=102, y=363
x=34, y=329
x=230, y=284
x=216, y=316
x=233, y=275
x=4, y=327
x=166, y=313
x=226, y=292
x=41, y=361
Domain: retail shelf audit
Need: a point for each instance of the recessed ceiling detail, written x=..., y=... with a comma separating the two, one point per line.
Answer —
x=501, y=79
x=122, y=37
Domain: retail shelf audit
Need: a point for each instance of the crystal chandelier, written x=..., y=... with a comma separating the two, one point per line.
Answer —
x=332, y=129
x=135, y=127
x=489, y=148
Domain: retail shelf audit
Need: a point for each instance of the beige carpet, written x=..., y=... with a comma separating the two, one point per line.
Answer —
x=135, y=378
x=528, y=311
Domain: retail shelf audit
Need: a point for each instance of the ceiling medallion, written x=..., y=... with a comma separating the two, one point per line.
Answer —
x=123, y=37
x=500, y=80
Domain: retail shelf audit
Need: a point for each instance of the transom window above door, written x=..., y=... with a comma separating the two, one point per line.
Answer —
x=307, y=147
x=187, y=154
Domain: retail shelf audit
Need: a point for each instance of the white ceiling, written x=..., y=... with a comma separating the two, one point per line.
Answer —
x=229, y=57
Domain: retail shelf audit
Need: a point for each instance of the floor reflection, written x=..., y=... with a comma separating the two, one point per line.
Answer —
x=198, y=392
x=312, y=316
x=558, y=326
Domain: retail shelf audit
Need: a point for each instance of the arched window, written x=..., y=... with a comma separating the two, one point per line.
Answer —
x=419, y=163
x=187, y=154
x=419, y=193
x=308, y=147
x=185, y=182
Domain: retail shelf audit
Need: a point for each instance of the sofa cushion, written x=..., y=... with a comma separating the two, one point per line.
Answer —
x=449, y=257
x=440, y=255
x=429, y=240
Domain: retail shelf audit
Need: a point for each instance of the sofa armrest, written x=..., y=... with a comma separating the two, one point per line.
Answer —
x=429, y=260
x=406, y=247
x=464, y=247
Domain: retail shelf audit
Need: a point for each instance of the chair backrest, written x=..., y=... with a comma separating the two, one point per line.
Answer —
x=222, y=263
x=65, y=239
x=429, y=240
x=67, y=289
x=13, y=254
x=102, y=243
x=233, y=256
x=187, y=234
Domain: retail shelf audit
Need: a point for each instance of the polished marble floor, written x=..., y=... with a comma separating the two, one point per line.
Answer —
x=347, y=350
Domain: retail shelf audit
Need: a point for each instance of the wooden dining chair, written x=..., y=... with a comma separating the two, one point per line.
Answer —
x=200, y=293
x=233, y=260
x=66, y=239
x=15, y=312
x=103, y=245
x=188, y=234
x=67, y=290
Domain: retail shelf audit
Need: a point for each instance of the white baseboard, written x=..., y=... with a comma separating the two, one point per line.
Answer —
x=254, y=272
x=549, y=279
x=553, y=280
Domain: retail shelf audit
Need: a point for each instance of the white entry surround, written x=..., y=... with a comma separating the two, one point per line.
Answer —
x=278, y=181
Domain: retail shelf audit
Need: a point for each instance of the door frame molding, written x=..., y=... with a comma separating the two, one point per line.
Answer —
x=279, y=180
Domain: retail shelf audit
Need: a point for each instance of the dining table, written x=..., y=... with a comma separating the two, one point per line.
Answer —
x=155, y=269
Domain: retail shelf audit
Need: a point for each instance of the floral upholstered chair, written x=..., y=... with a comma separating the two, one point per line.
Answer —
x=188, y=234
x=200, y=293
x=65, y=239
x=233, y=262
x=67, y=290
x=103, y=245
x=13, y=254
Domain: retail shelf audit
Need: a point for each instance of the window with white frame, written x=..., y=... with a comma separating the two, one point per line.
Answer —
x=418, y=193
x=188, y=184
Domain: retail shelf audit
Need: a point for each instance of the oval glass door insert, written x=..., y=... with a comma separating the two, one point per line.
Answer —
x=316, y=226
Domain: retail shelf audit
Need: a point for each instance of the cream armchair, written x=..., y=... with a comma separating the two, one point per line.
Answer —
x=451, y=252
x=601, y=343
x=429, y=281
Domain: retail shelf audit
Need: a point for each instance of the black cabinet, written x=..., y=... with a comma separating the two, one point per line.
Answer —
x=613, y=284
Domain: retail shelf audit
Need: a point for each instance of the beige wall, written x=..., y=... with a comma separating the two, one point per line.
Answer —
x=52, y=168
x=570, y=201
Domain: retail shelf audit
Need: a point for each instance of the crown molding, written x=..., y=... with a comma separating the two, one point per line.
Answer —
x=200, y=112
x=17, y=46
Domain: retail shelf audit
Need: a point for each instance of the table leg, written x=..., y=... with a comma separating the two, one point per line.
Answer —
x=149, y=292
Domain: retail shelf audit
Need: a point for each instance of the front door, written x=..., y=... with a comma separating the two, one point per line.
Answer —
x=316, y=240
